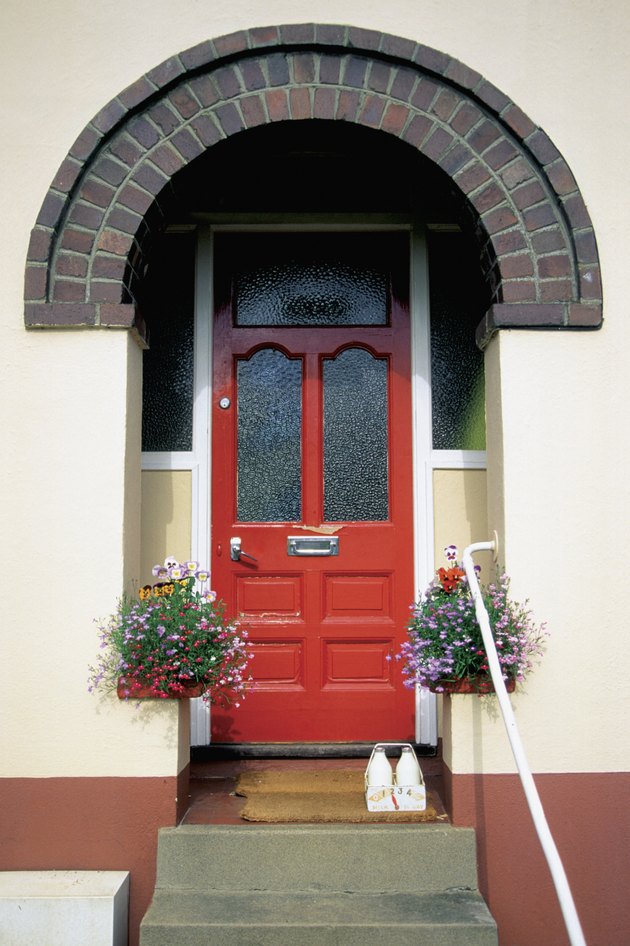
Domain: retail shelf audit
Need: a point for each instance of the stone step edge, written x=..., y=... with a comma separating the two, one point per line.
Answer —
x=241, y=909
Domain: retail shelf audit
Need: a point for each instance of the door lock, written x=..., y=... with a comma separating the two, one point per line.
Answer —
x=236, y=552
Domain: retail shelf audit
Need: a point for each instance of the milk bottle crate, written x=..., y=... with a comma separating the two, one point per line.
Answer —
x=411, y=797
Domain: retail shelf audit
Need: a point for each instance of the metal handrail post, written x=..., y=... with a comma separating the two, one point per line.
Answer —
x=559, y=877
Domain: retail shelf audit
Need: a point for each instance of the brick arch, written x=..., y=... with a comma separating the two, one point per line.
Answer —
x=86, y=255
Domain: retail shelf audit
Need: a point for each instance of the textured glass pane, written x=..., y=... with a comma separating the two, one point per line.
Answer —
x=457, y=380
x=167, y=387
x=269, y=438
x=311, y=279
x=355, y=437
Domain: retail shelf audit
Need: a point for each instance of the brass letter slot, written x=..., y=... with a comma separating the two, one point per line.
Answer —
x=313, y=545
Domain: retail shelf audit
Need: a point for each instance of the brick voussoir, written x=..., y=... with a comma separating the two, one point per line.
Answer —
x=297, y=33
x=166, y=72
x=51, y=210
x=517, y=121
x=398, y=47
x=187, y=144
x=86, y=144
x=331, y=35
x=229, y=118
x=203, y=54
x=354, y=73
x=137, y=92
x=300, y=103
x=364, y=39
x=431, y=59
x=325, y=103
x=109, y=116
x=253, y=110
x=372, y=111
x=488, y=93
x=252, y=75
x=39, y=245
x=226, y=79
x=232, y=43
x=302, y=66
x=263, y=36
x=184, y=101
x=379, y=76
x=167, y=158
x=277, y=101
x=67, y=175
x=462, y=75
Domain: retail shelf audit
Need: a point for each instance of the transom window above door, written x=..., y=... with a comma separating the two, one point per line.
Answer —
x=307, y=279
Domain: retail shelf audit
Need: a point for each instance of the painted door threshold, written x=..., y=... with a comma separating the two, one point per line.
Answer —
x=292, y=750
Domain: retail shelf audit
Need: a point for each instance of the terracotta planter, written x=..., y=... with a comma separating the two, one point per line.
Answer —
x=478, y=685
x=190, y=691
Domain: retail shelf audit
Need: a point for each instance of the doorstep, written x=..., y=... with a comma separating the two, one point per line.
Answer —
x=212, y=783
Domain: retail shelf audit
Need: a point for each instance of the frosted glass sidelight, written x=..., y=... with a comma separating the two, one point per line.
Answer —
x=311, y=280
x=269, y=438
x=457, y=378
x=167, y=383
x=355, y=437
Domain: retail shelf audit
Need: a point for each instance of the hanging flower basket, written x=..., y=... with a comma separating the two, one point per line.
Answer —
x=479, y=685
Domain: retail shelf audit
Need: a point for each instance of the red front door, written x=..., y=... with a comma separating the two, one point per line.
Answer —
x=312, y=539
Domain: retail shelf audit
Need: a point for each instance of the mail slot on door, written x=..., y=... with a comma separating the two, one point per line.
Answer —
x=313, y=545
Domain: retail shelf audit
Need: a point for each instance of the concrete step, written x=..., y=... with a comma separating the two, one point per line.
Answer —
x=260, y=918
x=364, y=858
x=317, y=885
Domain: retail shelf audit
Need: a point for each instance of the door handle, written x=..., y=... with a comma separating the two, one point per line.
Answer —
x=236, y=552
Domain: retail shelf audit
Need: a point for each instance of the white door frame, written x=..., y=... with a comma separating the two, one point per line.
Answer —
x=425, y=460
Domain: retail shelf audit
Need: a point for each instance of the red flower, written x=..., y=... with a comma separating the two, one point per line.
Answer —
x=450, y=578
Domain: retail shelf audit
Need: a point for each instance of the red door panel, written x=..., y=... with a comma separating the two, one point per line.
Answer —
x=314, y=441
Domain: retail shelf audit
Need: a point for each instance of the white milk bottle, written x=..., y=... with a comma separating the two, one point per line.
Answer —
x=407, y=768
x=379, y=770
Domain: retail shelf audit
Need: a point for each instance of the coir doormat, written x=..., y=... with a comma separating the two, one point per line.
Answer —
x=319, y=797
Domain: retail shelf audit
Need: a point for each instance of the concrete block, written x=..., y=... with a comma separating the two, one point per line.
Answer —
x=64, y=907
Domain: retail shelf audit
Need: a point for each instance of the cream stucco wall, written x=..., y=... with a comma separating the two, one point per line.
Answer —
x=460, y=513
x=166, y=518
x=563, y=444
x=67, y=545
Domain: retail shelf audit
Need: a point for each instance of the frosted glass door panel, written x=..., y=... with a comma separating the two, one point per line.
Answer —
x=269, y=438
x=355, y=437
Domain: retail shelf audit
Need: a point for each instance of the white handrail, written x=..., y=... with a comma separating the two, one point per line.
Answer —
x=559, y=877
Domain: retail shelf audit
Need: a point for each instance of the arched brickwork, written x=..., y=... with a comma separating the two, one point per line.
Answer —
x=112, y=191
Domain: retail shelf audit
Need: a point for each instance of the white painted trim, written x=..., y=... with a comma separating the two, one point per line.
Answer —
x=459, y=459
x=202, y=417
x=168, y=461
x=421, y=411
x=202, y=397
x=426, y=702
